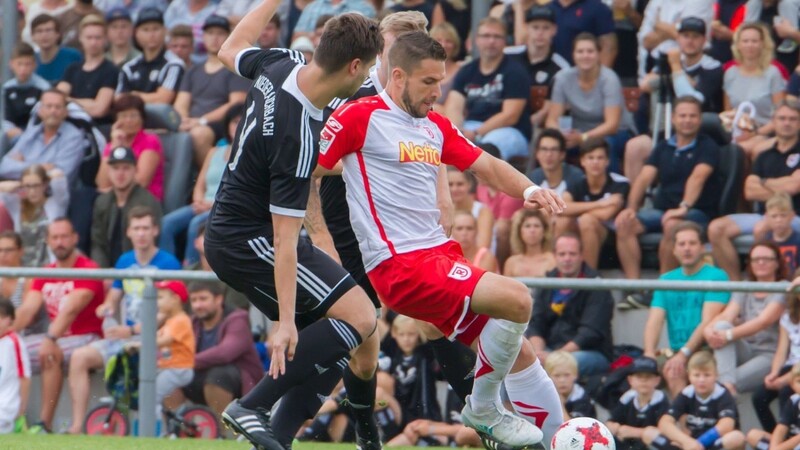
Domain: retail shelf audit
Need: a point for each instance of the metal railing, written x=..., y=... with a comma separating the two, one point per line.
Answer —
x=147, y=367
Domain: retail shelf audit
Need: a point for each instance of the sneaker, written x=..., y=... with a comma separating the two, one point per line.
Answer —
x=38, y=428
x=501, y=427
x=253, y=424
x=490, y=443
x=787, y=46
x=363, y=444
x=640, y=300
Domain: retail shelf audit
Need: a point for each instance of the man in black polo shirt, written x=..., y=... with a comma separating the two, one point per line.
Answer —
x=592, y=16
x=684, y=165
x=156, y=74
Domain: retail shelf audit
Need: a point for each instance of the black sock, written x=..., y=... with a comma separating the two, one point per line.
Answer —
x=763, y=444
x=457, y=362
x=302, y=402
x=361, y=399
x=320, y=345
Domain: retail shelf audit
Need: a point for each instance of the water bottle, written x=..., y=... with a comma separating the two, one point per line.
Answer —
x=109, y=320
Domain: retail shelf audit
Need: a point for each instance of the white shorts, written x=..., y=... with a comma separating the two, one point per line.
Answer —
x=67, y=344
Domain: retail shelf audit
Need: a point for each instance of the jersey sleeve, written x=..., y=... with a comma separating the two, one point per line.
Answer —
x=250, y=61
x=456, y=150
x=727, y=407
x=679, y=406
x=343, y=133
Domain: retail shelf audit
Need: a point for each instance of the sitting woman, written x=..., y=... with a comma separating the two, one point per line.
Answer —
x=15, y=288
x=745, y=334
x=465, y=232
x=462, y=193
x=531, y=245
x=128, y=131
x=31, y=203
x=191, y=216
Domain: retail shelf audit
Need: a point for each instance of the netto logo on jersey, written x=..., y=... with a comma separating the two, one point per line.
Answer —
x=411, y=152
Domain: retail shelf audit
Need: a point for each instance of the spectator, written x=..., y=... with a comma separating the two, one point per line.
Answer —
x=781, y=18
x=305, y=46
x=15, y=288
x=132, y=7
x=91, y=84
x=69, y=23
x=553, y=172
x=745, y=334
x=192, y=13
x=574, y=17
x=446, y=35
x=207, y=92
x=23, y=90
x=457, y=13
x=597, y=108
x=728, y=16
x=37, y=8
x=511, y=13
x=226, y=364
x=425, y=432
x=686, y=313
x=462, y=192
x=128, y=131
x=15, y=371
x=433, y=10
x=111, y=209
x=465, y=227
x=120, y=37
x=142, y=231
x=538, y=56
x=176, y=344
x=563, y=370
x=573, y=320
x=232, y=296
x=307, y=21
x=639, y=408
x=137, y=77
x=628, y=16
x=32, y=202
x=189, y=218
x=593, y=202
x=785, y=433
x=531, y=246
x=53, y=142
x=70, y=305
x=489, y=98
x=774, y=171
x=52, y=59
x=181, y=43
x=270, y=36
x=685, y=166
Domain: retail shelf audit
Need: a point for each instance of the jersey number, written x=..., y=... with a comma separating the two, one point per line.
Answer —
x=246, y=130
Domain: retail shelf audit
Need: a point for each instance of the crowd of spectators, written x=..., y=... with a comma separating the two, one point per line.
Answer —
x=669, y=118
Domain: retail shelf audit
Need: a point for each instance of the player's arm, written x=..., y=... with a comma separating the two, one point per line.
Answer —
x=286, y=231
x=315, y=225
x=779, y=441
x=669, y=428
x=75, y=302
x=247, y=32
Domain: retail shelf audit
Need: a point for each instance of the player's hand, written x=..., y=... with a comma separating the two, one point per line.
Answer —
x=716, y=339
x=675, y=367
x=284, y=342
x=547, y=200
x=674, y=214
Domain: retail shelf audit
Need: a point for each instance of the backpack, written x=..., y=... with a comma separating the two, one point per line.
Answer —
x=122, y=378
x=615, y=383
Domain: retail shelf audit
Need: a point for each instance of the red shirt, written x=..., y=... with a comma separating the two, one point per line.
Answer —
x=55, y=292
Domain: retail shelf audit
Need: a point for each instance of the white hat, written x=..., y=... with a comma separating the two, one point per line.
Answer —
x=302, y=44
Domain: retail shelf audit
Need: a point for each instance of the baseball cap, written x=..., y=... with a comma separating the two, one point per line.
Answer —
x=149, y=15
x=540, y=13
x=695, y=24
x=118, y=13
x=121, y=154
x=217, y=21
x=177, y=287
x=643, y=364
x=303, y=44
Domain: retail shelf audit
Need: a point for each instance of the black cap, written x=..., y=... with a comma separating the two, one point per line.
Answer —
x=118, y=13
x=149, y=15
x=217, y=21
x=540, y=13
x=695, y=24
x=643, y=364
x=121, y=154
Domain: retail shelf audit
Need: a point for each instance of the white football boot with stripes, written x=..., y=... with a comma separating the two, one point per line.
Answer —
x=501, y=428
x=253, y=424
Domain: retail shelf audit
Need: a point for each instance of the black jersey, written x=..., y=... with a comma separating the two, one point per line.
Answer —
x=165, y=70
x=579, y=404
x=790, y=416
x=702, y=414
x=630, y=412
x=274, y=151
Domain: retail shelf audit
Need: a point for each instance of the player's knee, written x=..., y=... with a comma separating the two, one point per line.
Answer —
x=754, y=436
x=733, y=440
x=521, y=304
x=650, y=434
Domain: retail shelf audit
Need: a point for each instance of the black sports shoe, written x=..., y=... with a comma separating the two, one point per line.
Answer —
x=489, y=443
x=253, y=424
x=363, y=444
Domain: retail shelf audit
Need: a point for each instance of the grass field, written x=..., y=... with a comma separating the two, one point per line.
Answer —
x=59, y=442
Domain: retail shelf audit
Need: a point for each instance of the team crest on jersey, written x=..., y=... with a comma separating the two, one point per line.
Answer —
x=412, y=152
x=792, y=160
x=326, y=137
x=460, y=272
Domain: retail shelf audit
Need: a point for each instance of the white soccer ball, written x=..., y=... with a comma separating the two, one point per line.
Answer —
x=583, y=433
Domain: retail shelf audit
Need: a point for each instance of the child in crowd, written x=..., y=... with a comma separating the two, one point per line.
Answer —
x=709, y=411
x=787, y=432
x=15, y=371
x=175, y=341
x=22, y=91
x=778, y=217
x=639, y=408
x=563, y=370
x=425, y=432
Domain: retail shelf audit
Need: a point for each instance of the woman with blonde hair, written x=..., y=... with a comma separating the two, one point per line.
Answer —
x=446, y=35
x=531, y=245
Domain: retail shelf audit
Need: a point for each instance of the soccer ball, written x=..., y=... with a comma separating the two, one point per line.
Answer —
x=583, y=433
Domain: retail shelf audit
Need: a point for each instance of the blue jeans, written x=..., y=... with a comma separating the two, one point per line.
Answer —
x=182, y=220
x=591, y=362
x=509, y=140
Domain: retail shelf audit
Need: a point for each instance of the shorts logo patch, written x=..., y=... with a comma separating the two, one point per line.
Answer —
x=460, y=272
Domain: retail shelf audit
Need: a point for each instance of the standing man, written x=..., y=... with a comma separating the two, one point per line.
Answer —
x=253, y=243
x=574, y=17
x=52, y=59
x=412, y=264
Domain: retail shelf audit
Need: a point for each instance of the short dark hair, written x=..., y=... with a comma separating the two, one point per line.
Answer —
x=184, y=31
x=128, y=101
x=215, y=287
x=345, y=38
x=6, y=308
x=593, y=144
x=409, y=49
x=60, y=219
x=552, y=133
x=586, y=36
x=14, y=236
x=140, y=211
x=322, y=20
x=689, y=99
x=276, y=20
x=569, y=235
x=691, y=226
x=23, y=50
x=42, y=19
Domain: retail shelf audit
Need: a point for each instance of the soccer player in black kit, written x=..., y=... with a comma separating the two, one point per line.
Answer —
x=252, y=240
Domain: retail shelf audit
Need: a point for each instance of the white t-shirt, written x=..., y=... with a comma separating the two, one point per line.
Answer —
x=793, y=331
x=14, y=365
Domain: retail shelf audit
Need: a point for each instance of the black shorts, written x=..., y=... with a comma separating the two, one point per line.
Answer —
x=352, y=262
x=248, y=265
x=227, y=377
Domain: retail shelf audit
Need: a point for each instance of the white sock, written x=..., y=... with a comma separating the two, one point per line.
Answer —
x=498, y=347
x=535, y=398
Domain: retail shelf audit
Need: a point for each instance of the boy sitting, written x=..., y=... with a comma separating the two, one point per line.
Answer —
x=15, y=371
x=787, y=432
x=563, y=370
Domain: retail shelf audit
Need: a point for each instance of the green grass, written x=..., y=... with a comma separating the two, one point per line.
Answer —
x=60, y=442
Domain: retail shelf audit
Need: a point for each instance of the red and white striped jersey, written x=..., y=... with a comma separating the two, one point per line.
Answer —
x=391, y=161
